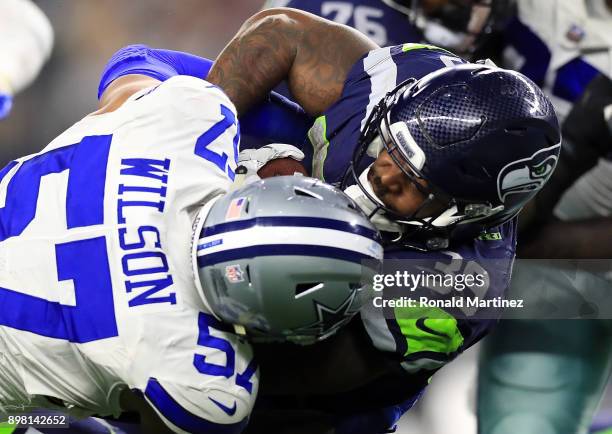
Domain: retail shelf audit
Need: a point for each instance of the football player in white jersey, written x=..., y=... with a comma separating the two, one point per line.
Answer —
x=125, y=263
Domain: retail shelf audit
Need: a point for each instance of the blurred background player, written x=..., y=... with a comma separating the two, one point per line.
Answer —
x=26, y=40
x=562, y=45
x=566, y=46
x=461, y=26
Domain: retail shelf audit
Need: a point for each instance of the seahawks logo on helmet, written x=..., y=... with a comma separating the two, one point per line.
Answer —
x=528, y=174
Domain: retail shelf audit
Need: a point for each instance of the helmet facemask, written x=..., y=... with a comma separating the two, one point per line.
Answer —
x=429, y=227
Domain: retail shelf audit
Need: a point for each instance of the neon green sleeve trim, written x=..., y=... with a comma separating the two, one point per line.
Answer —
x=319, y=141
x=6, y=428
x=413, y=46
x=428, y=329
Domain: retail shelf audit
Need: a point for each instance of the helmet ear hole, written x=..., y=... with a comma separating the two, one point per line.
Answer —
x=469, y=170
x=517, y=131
x=303, y=192
x=302, y=289
x=248, y=273
x=479, y=70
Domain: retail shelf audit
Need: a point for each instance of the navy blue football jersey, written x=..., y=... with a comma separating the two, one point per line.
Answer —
x=381, y=23
x=333, y=139
x=420, y=340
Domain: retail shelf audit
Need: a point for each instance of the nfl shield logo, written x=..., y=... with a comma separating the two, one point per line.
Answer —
x=234, y=274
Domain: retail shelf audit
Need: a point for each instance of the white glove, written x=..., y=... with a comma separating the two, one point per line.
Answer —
x=254, y=159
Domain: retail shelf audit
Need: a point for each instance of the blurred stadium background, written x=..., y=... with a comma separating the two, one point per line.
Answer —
x=87, y=33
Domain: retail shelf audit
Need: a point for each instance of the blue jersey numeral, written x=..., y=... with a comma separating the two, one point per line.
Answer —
x=205, y=339
x=85, y=262
x=212, y=134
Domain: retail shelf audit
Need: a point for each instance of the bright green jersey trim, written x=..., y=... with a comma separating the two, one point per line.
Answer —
x=6, y=428
x=605, y=431
x=490, y=236
x=412, y=46
x=428, y=329
x=319, y=141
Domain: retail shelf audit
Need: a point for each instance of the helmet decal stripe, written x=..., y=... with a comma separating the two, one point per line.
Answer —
x=282, y=235
x=308, y=222
x=282, y=250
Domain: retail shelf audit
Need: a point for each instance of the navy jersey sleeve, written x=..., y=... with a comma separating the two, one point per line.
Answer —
x=425, y=338
x=334, y=135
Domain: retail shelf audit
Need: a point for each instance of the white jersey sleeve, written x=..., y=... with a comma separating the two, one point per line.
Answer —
x=196, y=374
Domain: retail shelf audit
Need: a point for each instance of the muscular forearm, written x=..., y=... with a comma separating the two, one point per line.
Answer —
x=313, y=54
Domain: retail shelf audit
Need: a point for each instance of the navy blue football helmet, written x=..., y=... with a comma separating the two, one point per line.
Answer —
x=484, y=139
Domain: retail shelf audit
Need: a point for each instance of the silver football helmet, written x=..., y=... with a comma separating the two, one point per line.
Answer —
x=284, y=259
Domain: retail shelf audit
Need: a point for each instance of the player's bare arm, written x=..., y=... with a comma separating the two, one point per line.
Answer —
x=313, y=54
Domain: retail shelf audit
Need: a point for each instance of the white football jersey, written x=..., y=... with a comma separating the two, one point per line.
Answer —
x=562, y=45
x=97, y=283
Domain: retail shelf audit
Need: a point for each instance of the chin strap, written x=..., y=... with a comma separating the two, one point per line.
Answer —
x=370, y=208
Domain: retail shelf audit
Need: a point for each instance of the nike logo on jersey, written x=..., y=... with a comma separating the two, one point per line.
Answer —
x=228, y=410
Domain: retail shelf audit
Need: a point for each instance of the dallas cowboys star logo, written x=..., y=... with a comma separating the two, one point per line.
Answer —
x=330, y=319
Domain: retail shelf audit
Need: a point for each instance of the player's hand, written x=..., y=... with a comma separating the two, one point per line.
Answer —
x=6, y=102
x=251, y=160
x=255, y=159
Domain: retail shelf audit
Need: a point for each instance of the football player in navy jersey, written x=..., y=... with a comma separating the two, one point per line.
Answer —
x=421, y=141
